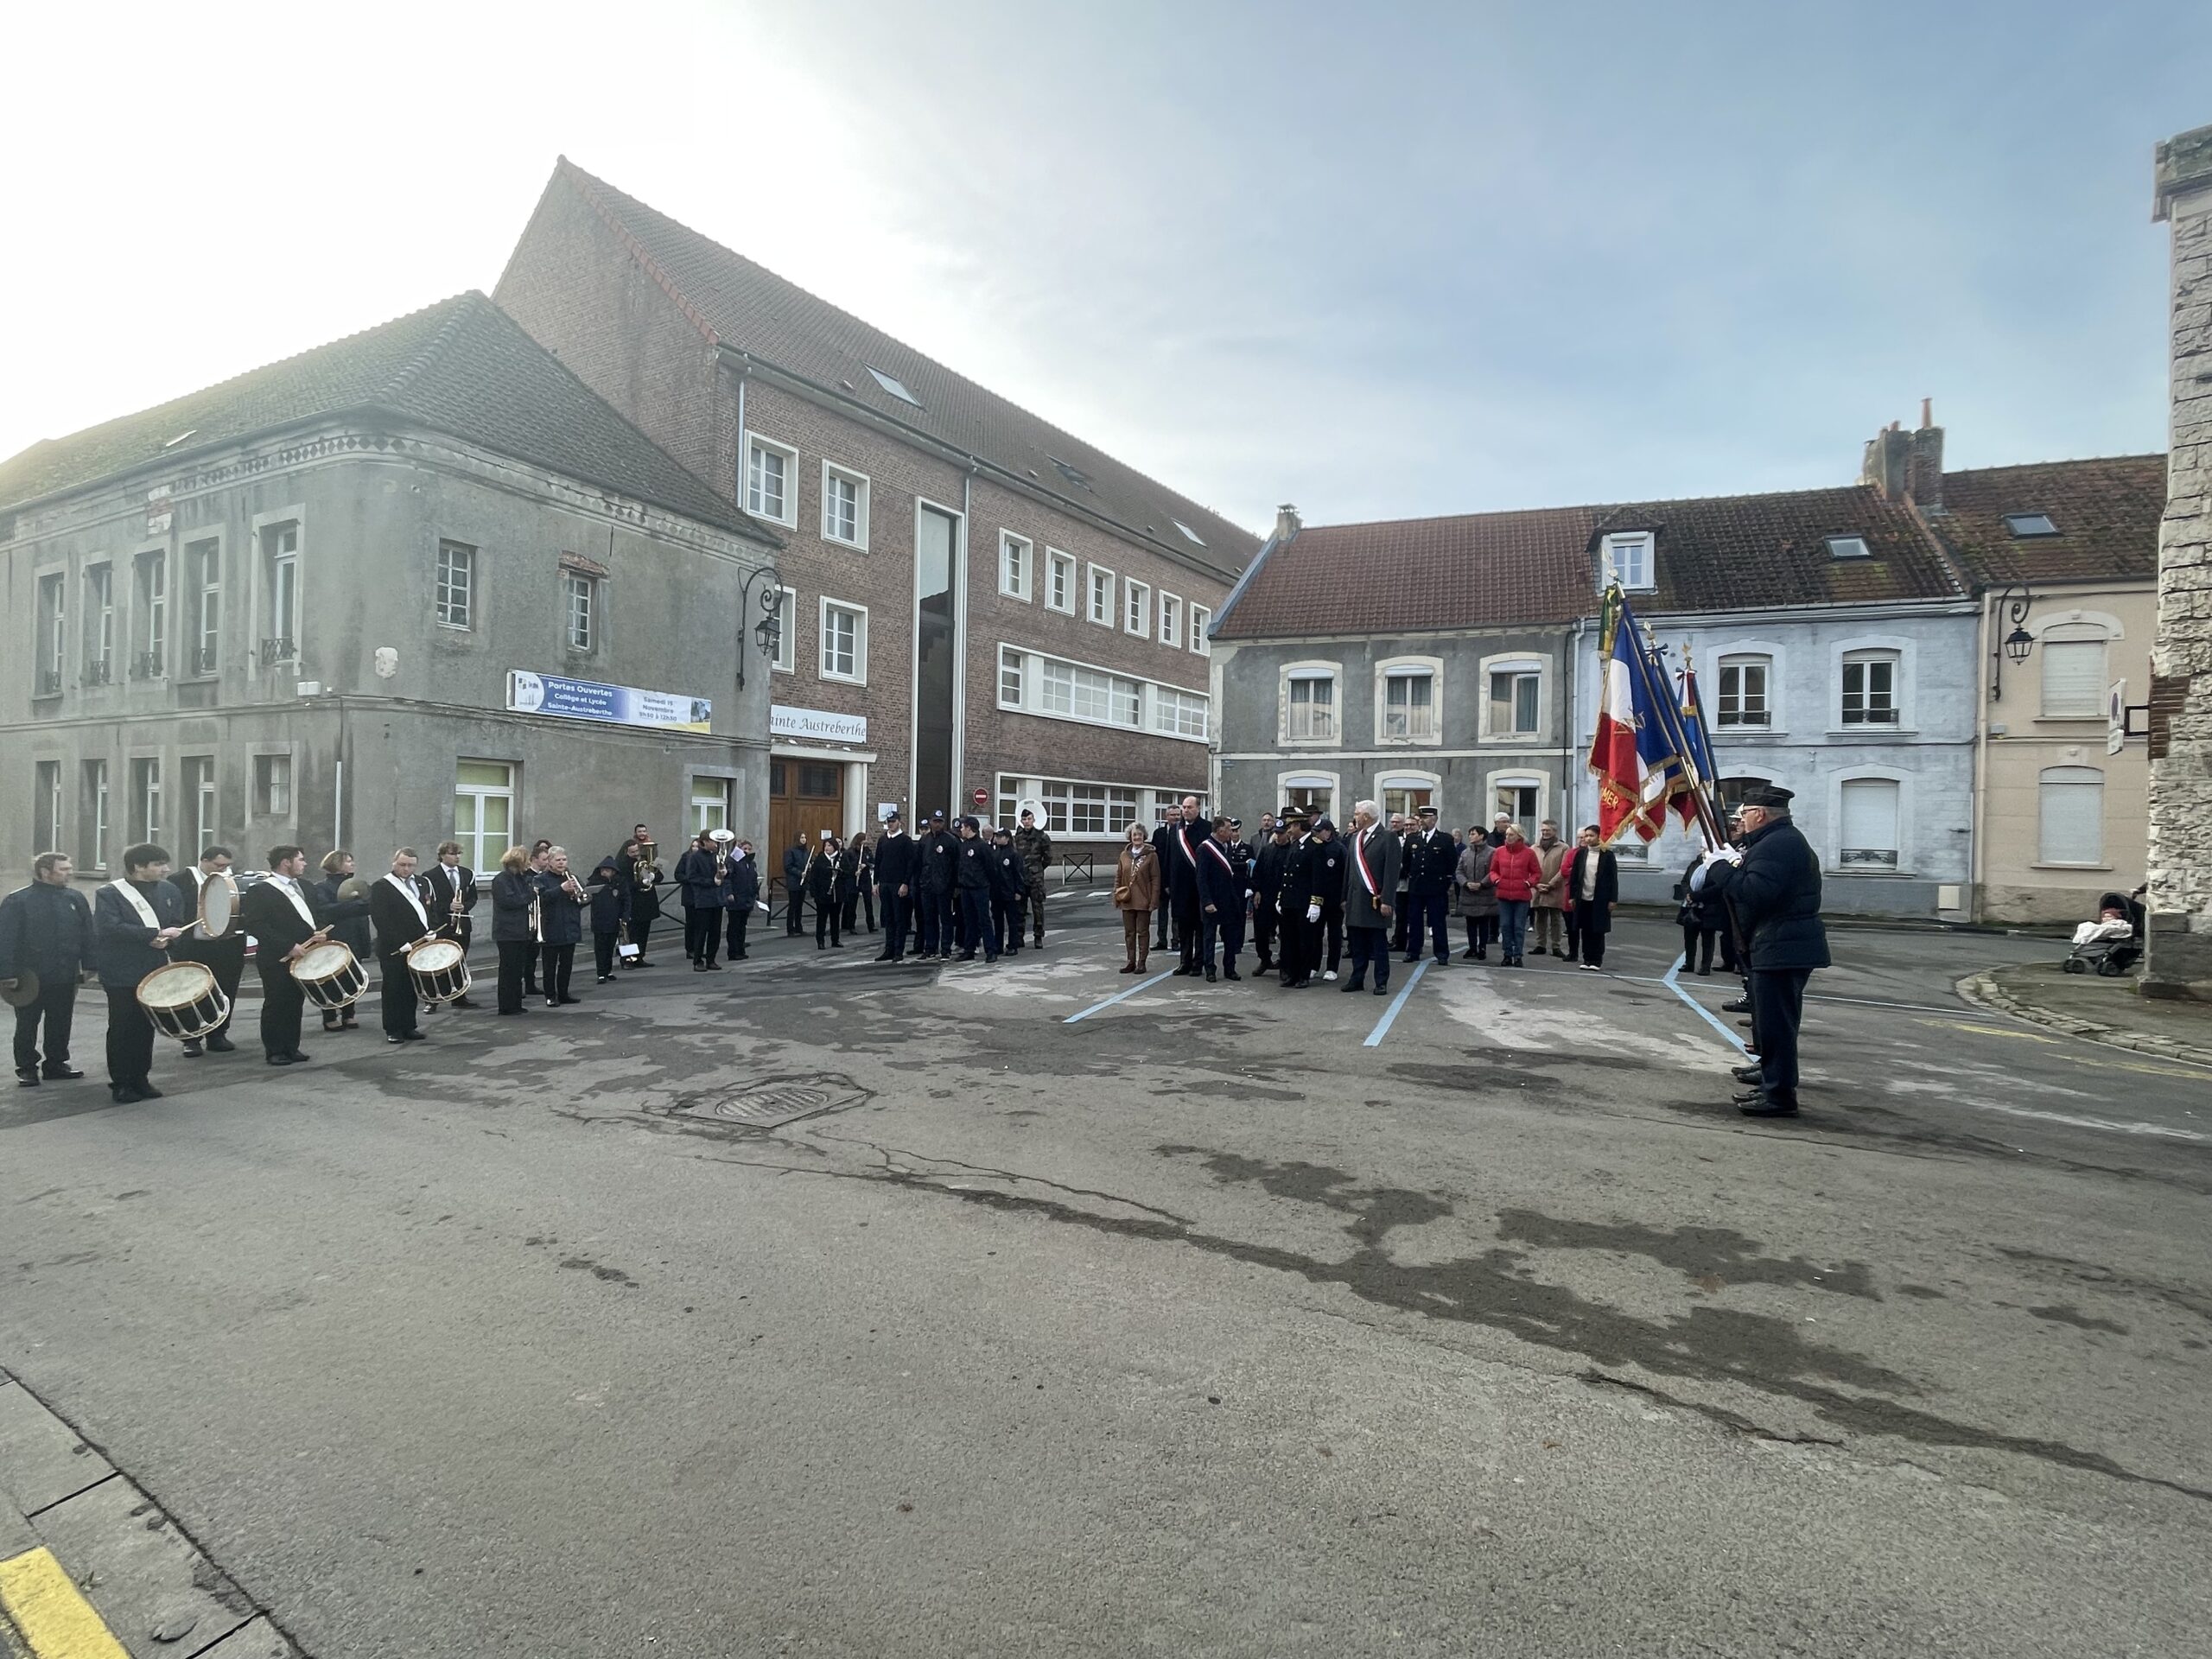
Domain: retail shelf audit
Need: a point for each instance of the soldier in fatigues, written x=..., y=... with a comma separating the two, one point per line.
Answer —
x=1773, y=885
x=1035, y=846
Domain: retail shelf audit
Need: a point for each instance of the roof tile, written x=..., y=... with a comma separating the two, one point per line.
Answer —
x=2107, y=510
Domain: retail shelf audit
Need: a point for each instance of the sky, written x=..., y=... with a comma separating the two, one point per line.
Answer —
x=1380, y=262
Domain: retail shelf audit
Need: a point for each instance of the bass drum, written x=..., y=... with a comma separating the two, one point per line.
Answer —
x=439, y=970
x=184, y=1001
x=219, y=906
x=330, y=976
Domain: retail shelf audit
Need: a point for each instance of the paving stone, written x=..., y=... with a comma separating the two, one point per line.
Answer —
x=42, y=1459
x=160, y=1596
x=258, y=1640
x=16, y=1534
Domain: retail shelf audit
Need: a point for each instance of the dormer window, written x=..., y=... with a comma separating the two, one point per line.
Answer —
x=2028, y=526
x=1849, y=547
x=1628, y=561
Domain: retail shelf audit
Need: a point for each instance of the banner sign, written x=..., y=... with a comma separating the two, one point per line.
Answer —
x=818, y=725
x=617, y=705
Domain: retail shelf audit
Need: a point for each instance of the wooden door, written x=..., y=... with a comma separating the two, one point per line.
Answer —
x=805, y=798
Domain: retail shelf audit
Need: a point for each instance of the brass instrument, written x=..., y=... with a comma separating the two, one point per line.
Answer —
x=537, y=932
x=642, y=873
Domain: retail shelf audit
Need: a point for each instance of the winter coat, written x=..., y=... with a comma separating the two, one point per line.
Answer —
x=1477, y=896
x=1514, y=869
x=607, y=912
x=1608, y=890
x=560, y=918
x=1374, y=851
x=47, y=930
x=1776, y=891
x=1136, y=879
x=1552, y=889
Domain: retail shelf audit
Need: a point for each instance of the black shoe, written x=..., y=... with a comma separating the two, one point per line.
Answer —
x=219, y=1044
x=412, y=1037
x=1467, y=954
x=965, y=956
x=698, y=967
x=147, y=1091
x=1382, y=990
x=1410, y=961
x=1765, y=1106
x=1209, y=977
x=192, y=1050
x=27, y=1076
x=885, y=956
x=602, y=980
x=1746, y=1073
x=1350, y=986
x=1231, y=973
x=281, y=1059
x=1482, y=953
x=463, y=1002
x=564, y=1001
x=392, y=1037
x=124, y=1097
x=61, y=1073
x=1736, y=1004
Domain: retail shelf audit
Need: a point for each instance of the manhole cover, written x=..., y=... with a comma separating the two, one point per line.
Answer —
x=765, y=1102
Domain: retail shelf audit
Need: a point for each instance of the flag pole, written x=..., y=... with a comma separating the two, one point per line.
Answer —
x=1708, y=816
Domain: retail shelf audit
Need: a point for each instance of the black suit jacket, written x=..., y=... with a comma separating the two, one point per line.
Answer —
x=275, y=926
x=438, y=884
x=394, y=918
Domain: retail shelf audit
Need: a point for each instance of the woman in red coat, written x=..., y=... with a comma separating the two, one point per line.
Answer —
x=1514, y=869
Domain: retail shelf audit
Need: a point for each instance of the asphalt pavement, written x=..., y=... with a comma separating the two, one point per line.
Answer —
x=819, y=1307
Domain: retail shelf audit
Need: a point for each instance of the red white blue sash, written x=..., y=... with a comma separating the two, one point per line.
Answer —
x=1214, y=847
x=1359, y=861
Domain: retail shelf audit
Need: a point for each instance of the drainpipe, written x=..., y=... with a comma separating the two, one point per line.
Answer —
x=1568, y=813
x=1985, y=631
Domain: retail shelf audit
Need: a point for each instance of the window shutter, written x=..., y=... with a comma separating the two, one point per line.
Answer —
x=2070, y=802
x=2073, y=679
x=1870, y=818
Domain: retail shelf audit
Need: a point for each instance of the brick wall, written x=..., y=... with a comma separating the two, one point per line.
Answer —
x=2180, y=865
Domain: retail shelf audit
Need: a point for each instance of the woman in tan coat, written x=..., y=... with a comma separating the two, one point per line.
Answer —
x=1136, y=896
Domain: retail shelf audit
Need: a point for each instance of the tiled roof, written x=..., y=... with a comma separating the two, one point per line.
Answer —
x=1416, y=575
x=462, y=366
x=2106, y=511
x=1722, y=553
x=740, y=304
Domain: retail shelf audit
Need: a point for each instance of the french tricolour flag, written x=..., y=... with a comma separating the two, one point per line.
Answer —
x=1635, y=767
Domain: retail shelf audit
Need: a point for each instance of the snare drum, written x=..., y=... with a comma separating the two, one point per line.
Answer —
x=330, y=976
x=219, y=906
x=184, y=1001
x=440, y=969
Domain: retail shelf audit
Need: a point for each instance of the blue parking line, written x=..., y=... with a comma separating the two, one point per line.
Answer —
x=1382, y=1026
x=1118, y=996
x=1703, y=1013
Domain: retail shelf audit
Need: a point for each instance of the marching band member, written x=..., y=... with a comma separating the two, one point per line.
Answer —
x=820, y=883
x=700, y=874
x=641, y=879
x=743, y=883
x=347, y=922
x=514, y=925
x=223, y=957
x=46, y=929
x=451, y=888
x=607, y=916
x=134, y=919
x=396, y=907
x=898, y=865
x=280, y=913
x=561, y=904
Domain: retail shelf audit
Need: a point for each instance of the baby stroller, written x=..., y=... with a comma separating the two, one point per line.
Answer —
x=2114, y=943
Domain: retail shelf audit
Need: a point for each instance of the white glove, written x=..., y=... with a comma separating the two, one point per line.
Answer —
x=1313, y=912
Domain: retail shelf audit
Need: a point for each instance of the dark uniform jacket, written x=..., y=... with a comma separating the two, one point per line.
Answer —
x=1432, y=858
x=124, y=945
x=1775, y=893
x=1374, y=850
x=275, y=925
x=642, y=900
x=1035, y=848
x=511, y=891
x=1267, y=868
x=348, y=917
x=1221, y=878
x=560, y=918
x=440, y=884
x=743, y=882
x=702, y=888
x=1178, y=858
x=794, y=864
x=1329, y=875
x=896, y=858
x=940, y=852
x=1009, y=874
x=608, y=914
x=821, y=877
x=395, y=920
x=849, y=872
x=973, y=866
x=47, y=931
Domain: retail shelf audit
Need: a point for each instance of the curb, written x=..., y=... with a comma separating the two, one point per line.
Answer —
x=90, y=1568
x=1983, y=988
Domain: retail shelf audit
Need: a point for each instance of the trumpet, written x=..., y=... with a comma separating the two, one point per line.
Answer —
x=642, y=873
x=568, y=885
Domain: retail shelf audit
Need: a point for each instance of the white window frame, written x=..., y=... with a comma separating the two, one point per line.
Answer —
x=1157, y=704
x=97, y=780
x=1034, y=680
x=278, y=574
x=1057, y=565
x=1832, y=856
x=46, y=788
x=573, y=583
x=1642, y=543
x=2046, y=779
x=1136, y=608
x=262, y=800
x=1017, y=566
x=144, y=775
x=1098, y=596
x=1171, y=618
x=99, y=621
x=1717, y=705
x=1518, y=661
x=832, y=470
x=481, y=856
x=1013, y=661
x=859, y=674
x=1391, y=668
x=52, y=656
x=1523, y=778
x=755, y=500
x=1291, y=673
x=710, y=802
x=149, y=595
x=1432, y=782
x=1309, y=778
x=785, y=660
x=440, y=582
x=200, y=803
x=1863, y=649
x=1201, y=619
x=206, y=616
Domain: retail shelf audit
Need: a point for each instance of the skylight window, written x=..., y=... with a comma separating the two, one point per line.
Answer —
x=1187, y=531
x=1073, y=475
x=2030, y=524
x=894, y=386
x=1849, y=547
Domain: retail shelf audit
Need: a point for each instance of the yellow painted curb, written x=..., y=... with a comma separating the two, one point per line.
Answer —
x=54, y=1619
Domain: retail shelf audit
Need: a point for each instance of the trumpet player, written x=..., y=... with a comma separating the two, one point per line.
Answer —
x=640, y=876
x=561, y=904
x=134, y=919
x=449, y=891
x=402, y=918
x=701, y=874
x=281, y=912
x=514, y=925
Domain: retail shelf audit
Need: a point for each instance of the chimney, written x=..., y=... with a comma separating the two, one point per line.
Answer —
x=1924, y=472
x=1885, y=463
x=1286, y=522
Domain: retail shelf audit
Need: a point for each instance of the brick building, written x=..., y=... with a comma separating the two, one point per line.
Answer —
x=973, y=600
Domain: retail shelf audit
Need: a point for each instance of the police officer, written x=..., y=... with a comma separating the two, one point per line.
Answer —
x=1009, y=887
x=1267, y=887
x=1432, y=859
x=1773, y=884
x=972, y=879
x=940, y=853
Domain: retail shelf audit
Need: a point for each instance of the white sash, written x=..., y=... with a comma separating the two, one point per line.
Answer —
x=289, y=887
x=136, y=900
x=407, y=890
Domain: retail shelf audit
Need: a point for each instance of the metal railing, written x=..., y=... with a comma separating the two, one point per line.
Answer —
x=146, y=666
x=98, y=671
x=48, y=684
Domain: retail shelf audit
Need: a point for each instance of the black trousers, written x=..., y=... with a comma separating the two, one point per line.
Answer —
x=868, y=904
x=1226, y=927
x=641, y=928
x=1432, y=913
x=226, y=959
x=1591, y=938
x=1370, y=945
x=701, y=933
x=1692, y=936
x=848, y=912
x=1333, y=928
x=897, y=914
x=1481, y=931
x=559, y=966
x=1189, y=926
x=934, y=921
x=130, y=1038
x=1302, y=947
x=56, y=1005
x=1006, y=922
x=1403, y=919
x=1778, y=1007
x=797, y=896
x=399, y=1002
x=1265, y=925
x=602, y=952
x=516, y=957
x=282, y=1003
x=740, y=917
x=977, y=924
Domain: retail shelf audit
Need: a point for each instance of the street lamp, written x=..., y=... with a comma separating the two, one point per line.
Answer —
x=2010, y=605
x=768, y=631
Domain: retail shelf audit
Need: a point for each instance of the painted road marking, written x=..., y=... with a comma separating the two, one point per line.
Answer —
x=1703, y=1013
x=1382, y=1026
x=1118, y=996
x=1988, y=1031
x=54, y=1618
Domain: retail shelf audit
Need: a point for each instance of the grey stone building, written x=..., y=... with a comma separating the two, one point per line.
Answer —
x=2180, y=867
x=1416, y=663
x=421, y=581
